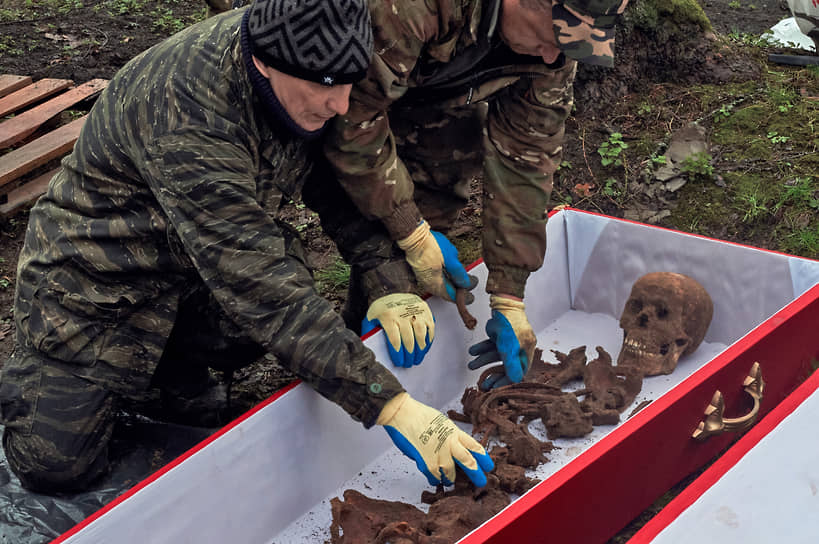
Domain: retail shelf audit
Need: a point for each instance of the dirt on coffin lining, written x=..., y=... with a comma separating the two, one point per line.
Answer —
x=502, y=414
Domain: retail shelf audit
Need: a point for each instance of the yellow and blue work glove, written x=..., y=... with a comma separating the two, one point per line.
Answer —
x=434, y=260
x=408, y=324
x=511, y=341
x=433, y=441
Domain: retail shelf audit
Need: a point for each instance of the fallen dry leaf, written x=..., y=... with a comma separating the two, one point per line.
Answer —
x=73, y=41
x=583, y=189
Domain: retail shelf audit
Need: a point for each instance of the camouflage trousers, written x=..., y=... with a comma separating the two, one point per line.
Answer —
x=442, y=150
x=59, y=423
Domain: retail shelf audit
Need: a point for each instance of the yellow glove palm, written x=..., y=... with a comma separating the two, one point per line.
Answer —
x=408, y=324
x=433, y=441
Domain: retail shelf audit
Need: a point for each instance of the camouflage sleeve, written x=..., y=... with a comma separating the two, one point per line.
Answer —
x=240, y=254
x=363, y=243
x=360, y=145
x=523, y=145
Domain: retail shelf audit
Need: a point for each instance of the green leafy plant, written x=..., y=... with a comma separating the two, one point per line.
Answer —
x=7, y=45
x=610, y=188
x=724, y=112
x=698, y=166
x=165, y=20
x=4, y=283
x=755, y=206
x=804, y=241
x=799, y=192
x=775, y=138
x=752, y=40
x=121, y=7
x=734, y=4
x=783, y=97
x=611, y=150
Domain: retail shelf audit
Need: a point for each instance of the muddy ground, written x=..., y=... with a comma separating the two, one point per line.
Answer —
x=82, y=40
x=646, y=99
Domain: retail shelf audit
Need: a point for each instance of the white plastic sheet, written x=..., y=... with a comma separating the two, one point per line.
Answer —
x=788, y=34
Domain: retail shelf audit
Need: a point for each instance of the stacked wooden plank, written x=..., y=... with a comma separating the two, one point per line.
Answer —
x=26, y=109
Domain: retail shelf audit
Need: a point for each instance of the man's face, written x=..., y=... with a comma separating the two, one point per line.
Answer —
x=309, y=104
x=526, y=27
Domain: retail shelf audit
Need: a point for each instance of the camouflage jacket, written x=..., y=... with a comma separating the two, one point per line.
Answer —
x=174, y=179
x=529, y=102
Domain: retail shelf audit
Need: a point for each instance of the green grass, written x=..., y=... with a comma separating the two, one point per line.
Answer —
x=768, y=138
x=333, y=278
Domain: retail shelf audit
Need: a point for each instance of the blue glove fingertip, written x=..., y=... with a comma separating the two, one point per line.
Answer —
x=416, y=356
x=476, y=476
x=481, y=347
x=398, y=356
x=421, y=353
x=484, y=461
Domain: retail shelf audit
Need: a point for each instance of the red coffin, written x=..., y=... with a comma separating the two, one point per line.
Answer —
x=268, y=476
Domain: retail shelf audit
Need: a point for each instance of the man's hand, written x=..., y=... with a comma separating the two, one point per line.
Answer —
x=433, y=441
x=511, y=341
x=435, y=262
x=408, y=323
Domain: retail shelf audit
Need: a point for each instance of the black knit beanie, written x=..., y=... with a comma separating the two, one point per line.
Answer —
x=326, y=41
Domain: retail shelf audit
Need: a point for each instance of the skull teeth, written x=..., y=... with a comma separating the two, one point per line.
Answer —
x=638, y=348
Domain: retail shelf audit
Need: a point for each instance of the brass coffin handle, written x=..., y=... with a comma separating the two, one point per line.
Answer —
x=715, y=423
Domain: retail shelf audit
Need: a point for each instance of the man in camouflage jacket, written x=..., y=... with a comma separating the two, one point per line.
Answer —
x=454, y=82
x=156, y=252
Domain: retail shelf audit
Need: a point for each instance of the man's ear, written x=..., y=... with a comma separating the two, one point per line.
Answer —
x=261, y=67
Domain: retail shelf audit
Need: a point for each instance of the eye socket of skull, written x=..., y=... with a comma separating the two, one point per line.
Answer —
x=662, y=312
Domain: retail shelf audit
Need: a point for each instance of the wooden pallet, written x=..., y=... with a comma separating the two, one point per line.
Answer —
x=26, y=108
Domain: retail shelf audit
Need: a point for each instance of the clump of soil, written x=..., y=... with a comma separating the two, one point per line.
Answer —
x=452, y=515
x=654, y=44
x=503, y=414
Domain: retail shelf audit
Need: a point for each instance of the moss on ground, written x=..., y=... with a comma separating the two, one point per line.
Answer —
x=652, y=14
x=762, y=186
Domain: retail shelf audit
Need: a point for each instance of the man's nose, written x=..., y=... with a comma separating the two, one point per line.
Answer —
x=339, y=99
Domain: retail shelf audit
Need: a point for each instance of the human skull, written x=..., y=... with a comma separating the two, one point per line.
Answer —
x=665, y=317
